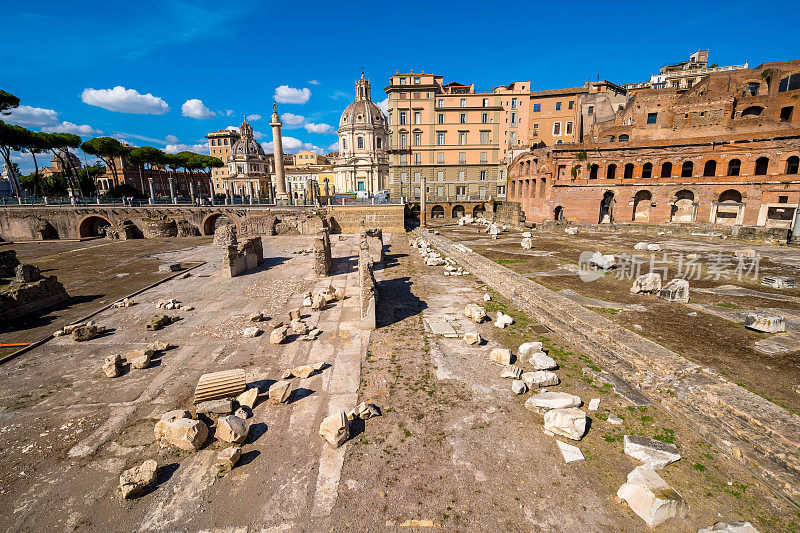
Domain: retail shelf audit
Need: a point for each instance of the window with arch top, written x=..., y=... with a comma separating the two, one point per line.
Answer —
x=647, y=170
x=792, y=164
x=686, y=169
x=761, y=166
x=734, y=167
x=360, y=142
x=710, y=168
x=666, y=170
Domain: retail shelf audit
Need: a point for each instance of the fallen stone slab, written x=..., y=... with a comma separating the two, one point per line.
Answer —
x=136, y=480
x=364, y=411
x=569, y=452
x=571, y=231
x=621, y=386
x=594, y=404
x=159, y=321
x=186, y=434
x=308, y=299
x=527, y=243
x=278, y=335
x=653, y=453
x=294, y=314
x=475, y=312
x=779, y=282
x=614, y=420
x=729, y=527
x=87, y=332
x=140, y=358
x=501, y=356
x=765, y=323
x=251, y=332
x=159, y=346
x=566, y=422
x=649, y=283
x=602, y=261
x=232, y=429
x=745, y=252
x=503, y=320
x=487, y=297
x=540, y=379
x=166, y=419
x=541, y=361
x=527, y=349
x=676, y=290
x=335, y=428
x=279, y=391
x=125, y=302
x=519, y=387
x=650, y=497
x=546, y=400
x=473, y=338
x=299, y=327
x=303, y=372
x=214, y=407
x=227, y=458
x=112, y=366
x=222, y=384
x=248, y=398
x=512, y=372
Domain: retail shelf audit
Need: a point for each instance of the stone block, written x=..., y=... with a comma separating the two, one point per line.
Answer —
x=473, y=338
x=566, y=422
x=227, y=458
x=335, y=428
x=541, y=361
x=649, y=283
x=676, y=290
x=501, y=356
x=279, y=391
x=552, y=400
x=232, y=429
x=652, y=453
x=186, y=434
x=278, y=335
x=765, y=323
x=540, y=379
x=650, y=497
x=136, y=480
x=248, y=398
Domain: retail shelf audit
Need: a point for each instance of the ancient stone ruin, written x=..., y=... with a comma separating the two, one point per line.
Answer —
x=368, y=285
x=29, y=292
x=242, y=257
x=322, y=254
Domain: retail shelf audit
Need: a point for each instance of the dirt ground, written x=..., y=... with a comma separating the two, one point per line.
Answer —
x=695, y=330
x=95, y=273
x=453, y=448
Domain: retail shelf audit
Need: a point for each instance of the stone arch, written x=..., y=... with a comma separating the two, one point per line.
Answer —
x=728, y=210
x=666, y=169
x=762, y=164
x=458, y=211
x=684, y=208
x=210, y=222
x=607, y=208
x=730, y=195
x=753, y=111
x=611, y=171
x=558, y=213
x=710, y=168
x=641, y=206
x=437, y=211
x=93, y=226
x=792, y=164
x=478, y=211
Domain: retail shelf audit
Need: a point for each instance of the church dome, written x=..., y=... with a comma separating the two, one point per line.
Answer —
x=362, y=111
x=246, y=145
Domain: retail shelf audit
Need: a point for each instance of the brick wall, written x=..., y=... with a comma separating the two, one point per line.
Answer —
x=354, y=218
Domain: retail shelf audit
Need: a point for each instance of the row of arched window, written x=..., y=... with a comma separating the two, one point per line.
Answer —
x=687, y=169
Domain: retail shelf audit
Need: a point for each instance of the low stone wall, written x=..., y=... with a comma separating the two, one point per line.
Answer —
x=322, y=254
x=152, y=228
x=374, y=240
x=509, y=213
x=20, y=300
x=354, y=218
x=740, y=232
x=225, y=235
x=368, y=286
x=242, y=257
x=756, y=432
x=8, y=263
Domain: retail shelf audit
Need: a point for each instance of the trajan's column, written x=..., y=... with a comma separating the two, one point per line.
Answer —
x=281, y=197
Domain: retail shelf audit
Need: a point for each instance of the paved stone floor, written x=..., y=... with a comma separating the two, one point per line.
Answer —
x=453, y=448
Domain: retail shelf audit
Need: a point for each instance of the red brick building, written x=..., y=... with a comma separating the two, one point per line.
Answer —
x=723, y=152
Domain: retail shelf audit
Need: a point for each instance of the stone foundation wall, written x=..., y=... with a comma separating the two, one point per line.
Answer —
x=368, y=286
x=245, y=256
x=322, y=254
x=509, y=213
x=225, y=235
x=152, y=228
x=756, y=432
x=374, y=240
x=34, y=297
x=354, y=218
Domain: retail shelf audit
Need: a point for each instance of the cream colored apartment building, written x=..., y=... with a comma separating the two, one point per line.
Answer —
x=552, y=117
x=455, y=137
x=220, y=143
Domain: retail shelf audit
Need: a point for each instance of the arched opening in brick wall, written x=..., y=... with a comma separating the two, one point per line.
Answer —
x=729, y=208
x=666, y=170
x=761, y=166
x=93, y=226
x=593, y=171
x=710, y=168
x=611, y=171
x=647, y=171
x=792, y=164
x=478, y=211
x=437, y=211
x=641, y=206
x=752, y=111
x=215, y=220
x=607, y=208
x=558, y=213
x=458, y=211
x=686, y=169
x=628, y=173
x=730, y=195
x=683, y=207
x=734, y=167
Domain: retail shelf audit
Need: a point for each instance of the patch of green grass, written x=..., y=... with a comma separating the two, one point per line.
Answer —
x=509, y=261
x=731, y=306
x=665, y=435
x=699, y=467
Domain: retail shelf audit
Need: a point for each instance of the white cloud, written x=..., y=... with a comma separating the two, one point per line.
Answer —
x=228, y=112
x=201, y=148
x=334, y=147
x=318, y=128
x=195, y=108
x=232, y=128
x=290, y=120
x=257, y=134
x=69, y=127
x=384, y=105
x=289, y=95
x=313, y=82
x=340, y=94
x=253, y=117
x=292, y=146
x=125, y=101
x=171, y=139
x=32, y=116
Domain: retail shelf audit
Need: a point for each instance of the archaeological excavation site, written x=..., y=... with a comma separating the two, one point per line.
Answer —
x=318, y=369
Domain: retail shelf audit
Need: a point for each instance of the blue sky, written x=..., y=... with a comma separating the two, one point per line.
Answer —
x=164, y=73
